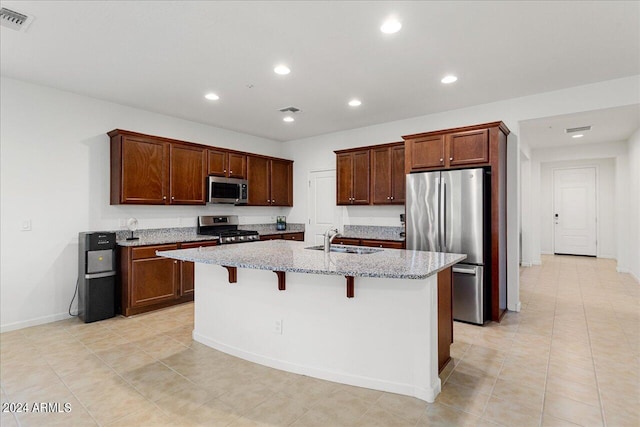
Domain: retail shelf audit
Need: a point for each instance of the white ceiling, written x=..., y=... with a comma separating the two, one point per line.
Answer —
x=163, y=56
x=607, y=125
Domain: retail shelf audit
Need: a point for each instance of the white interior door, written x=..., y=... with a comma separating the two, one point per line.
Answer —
x=574, y=216
x=323, y=212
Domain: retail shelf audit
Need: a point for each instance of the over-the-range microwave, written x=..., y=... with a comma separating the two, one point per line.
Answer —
x=227, y=190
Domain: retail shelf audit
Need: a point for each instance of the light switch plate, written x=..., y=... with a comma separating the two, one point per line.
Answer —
x=25, y=225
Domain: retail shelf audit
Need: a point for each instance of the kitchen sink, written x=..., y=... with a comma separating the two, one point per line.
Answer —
x=347, y=249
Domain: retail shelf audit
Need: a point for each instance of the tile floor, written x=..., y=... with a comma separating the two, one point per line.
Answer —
x=570, y=357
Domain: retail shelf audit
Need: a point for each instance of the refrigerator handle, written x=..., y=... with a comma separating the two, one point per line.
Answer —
x=443, y=216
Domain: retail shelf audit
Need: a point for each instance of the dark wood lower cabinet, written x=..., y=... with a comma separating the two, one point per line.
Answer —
x=148, y=282
x=445, y=317
x=298, y=236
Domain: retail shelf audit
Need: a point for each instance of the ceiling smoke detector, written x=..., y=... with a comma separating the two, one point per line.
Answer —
x=578, y=129
x=14, y=20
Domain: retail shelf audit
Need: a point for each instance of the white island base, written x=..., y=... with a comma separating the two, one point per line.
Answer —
x=385, y=338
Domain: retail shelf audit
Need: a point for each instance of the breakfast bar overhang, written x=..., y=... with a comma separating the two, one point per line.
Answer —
x=381, y=333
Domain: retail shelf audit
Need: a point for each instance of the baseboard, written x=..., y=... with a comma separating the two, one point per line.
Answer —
x=546, y=253
x=620, y=269
x=526, y=264
x=33, y=322
x=536, y=262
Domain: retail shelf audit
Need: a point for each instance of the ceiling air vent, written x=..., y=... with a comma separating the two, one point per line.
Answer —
x=14, y=20
x=578, y=129
x=289, y=110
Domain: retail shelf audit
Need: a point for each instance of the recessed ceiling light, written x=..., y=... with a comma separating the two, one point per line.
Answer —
x=212, y=96
x=288, y=119
x=449, y=79
x=355, y=103
x=282, y=69
x=577, y=136
x=390, y=26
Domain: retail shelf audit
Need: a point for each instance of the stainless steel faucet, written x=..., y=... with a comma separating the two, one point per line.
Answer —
x=329, y=235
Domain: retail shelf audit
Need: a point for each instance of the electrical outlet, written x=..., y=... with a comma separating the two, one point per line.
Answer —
x=277, y=327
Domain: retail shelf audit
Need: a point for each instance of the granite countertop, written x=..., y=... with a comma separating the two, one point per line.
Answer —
x=373, y=232
x=283, y=255
x=159, y=236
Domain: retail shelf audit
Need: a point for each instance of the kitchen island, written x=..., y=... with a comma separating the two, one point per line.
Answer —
x=364, y=319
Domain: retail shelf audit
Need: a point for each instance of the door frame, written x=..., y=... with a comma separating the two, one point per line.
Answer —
x=310, y=202
x=553, y=201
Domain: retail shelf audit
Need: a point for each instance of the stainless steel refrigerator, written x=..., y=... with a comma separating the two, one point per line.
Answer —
x=449, y=211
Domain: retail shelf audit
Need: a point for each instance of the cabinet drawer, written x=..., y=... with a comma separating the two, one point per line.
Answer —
x=204, y=243
x=293, y=236
x=270, y=236
x=150, y=251
x=346, y=241
x=389, y=244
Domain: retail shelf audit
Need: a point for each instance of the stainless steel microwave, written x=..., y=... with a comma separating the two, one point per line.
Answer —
x=227, y=190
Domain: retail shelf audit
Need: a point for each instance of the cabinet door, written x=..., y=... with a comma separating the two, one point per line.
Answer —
x=361, y=169
x=471, y=147
x=144, y=171
x=398, y=177
x=187, y=269
x=427, y=152
x=344, y=168
x=153, y=280
x=187, y=175
x=258, y=181
x=217, y=162
x=237, y=165
x=381, y=175
x=281, y=183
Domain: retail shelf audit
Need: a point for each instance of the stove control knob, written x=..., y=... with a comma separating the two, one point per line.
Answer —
x=241, y=238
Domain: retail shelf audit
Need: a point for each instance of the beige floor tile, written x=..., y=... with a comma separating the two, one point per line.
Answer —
x=463, y=398
x=549, y=421
x=377, y=417
x=147, y=417
x=244, y=396
x=512, y=413
x=519, y=394
x=405, y=407
x=585, y=393
x=156, y=381
x=438, y=415
x=572, y=410
x=278, y=409
x=482, y=384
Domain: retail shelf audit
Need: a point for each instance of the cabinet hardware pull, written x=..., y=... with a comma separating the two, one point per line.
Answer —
x=441, y=160
x=224, y=170
x=268, y=201
x=173, y=198
x=273, y=201
x=230, y=171
x=450, y=158
x=164, y=197
x=391, y=197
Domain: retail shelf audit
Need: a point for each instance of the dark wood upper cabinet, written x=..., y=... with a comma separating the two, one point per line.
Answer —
x=388, y=178
x=237, y=165
x=466, y=148
x=352, y=183
x=281, y=182
x=426, y=152
x=139, y=170
x=187, y=176
x=227, y=163
x=258, y=181
x=461, y=147
x=270, y=181
x=152, y=170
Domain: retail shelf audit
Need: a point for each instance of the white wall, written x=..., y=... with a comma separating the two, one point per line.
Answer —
x=605, y=199
x=632, y=193
x=55, y=171
x=316, y=153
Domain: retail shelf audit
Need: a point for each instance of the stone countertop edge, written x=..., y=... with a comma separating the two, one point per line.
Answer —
x=162, y=236
x=288, y=256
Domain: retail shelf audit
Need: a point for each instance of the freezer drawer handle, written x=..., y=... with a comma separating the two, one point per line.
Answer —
x=471, y=271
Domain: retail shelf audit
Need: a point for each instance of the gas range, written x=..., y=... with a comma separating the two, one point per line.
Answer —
x=226, y=227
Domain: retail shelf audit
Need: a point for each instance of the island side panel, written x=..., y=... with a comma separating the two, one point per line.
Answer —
x=385, y=338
